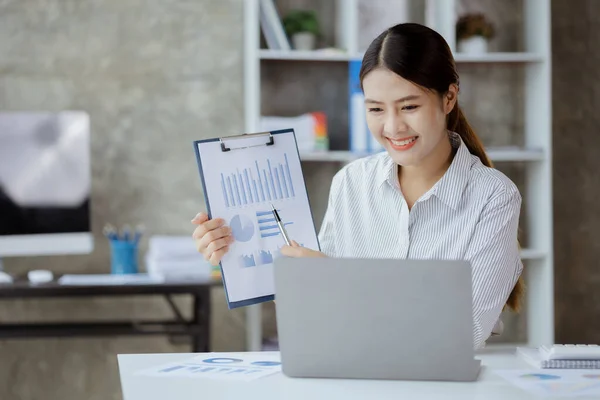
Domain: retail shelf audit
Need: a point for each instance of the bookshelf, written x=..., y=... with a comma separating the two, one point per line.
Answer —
x=531, y=58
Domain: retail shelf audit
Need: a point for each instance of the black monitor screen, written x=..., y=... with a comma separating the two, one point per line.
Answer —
x=44, y=173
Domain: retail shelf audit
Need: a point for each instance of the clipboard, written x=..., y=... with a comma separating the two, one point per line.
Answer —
x=241, y=177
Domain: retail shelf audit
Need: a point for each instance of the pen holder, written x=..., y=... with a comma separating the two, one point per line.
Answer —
x=123, y=257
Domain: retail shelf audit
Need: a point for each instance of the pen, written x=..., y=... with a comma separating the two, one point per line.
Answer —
x=126, y=232
x=110, y=232
x=280, y=225
x=139, y=231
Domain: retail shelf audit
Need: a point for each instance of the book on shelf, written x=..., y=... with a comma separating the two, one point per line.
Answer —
x=310, y=129
x=272, y=27
x=361, y=140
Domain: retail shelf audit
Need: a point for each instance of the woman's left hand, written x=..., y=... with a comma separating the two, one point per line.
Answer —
x=295, y=250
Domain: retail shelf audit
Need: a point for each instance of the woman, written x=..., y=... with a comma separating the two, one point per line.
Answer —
x=431, y=195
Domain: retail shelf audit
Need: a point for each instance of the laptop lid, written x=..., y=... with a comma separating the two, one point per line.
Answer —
x=375, y=318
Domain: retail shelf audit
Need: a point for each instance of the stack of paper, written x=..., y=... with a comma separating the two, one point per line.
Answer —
x=175, y=258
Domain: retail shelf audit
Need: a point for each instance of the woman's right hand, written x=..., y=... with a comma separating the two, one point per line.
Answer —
x=212, y=237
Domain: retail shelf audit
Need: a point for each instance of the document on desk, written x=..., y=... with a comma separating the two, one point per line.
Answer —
x=220, y=366
x=555, y=383
x=243, y=177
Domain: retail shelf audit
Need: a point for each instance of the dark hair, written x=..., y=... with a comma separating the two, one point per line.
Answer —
x=422, y=56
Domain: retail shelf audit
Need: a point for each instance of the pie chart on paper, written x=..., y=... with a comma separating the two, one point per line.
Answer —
x=242, y=228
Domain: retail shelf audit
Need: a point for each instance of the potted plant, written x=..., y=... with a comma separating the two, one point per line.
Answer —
x=473, y=32
x=302, y=27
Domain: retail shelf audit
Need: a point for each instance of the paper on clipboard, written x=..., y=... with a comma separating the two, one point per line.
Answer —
x=242, y=176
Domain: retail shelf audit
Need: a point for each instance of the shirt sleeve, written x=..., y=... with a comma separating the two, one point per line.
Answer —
x=495, y=262
x=327, y=233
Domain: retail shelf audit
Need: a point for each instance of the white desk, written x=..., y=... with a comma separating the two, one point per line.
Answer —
x=489, y=386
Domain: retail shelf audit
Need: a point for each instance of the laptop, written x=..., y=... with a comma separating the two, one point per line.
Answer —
x=375, y=319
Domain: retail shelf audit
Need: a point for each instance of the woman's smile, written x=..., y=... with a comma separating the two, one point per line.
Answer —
x=402, y=144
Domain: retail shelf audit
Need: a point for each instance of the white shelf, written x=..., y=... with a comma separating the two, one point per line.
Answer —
x=515, y=154
x=332, y=55
x=492, y=347
x=332, y=156
x=499, y=58
x=495, y=153
x=297, y=55
x=532, y=254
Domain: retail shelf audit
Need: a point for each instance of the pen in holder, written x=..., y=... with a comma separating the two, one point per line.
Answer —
x=123, y=250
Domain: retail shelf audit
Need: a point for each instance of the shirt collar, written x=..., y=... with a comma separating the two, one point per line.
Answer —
x=450, y=187
x=388, y=172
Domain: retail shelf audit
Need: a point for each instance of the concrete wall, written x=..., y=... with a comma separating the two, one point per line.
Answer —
x=153, y=75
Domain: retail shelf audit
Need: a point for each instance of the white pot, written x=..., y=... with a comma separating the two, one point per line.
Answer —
x=303, y=41
x=473, y=45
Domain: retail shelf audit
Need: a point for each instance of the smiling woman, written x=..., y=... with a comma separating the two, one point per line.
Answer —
x=432, y=195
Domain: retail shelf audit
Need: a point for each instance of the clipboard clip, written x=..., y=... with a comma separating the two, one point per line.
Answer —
x=270, y=142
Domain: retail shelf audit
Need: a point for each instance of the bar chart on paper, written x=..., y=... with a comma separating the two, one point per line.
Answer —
x=262, y=182
x=267, y=224
x=243, y=180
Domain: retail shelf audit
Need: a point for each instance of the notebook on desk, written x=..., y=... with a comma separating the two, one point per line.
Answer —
x=561, y=357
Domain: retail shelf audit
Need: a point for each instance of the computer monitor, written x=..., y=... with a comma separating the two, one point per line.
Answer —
x=45, y=183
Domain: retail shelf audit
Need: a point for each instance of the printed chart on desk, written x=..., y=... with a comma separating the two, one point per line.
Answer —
x=240, y=186
x=223, y=366
x=556, y=383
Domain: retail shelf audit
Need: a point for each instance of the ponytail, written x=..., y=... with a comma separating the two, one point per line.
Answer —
x=459, y=124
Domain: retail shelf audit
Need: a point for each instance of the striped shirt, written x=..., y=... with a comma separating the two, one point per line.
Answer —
x=471, y=214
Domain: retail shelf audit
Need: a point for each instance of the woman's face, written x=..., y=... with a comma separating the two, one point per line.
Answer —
x=409, y=121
